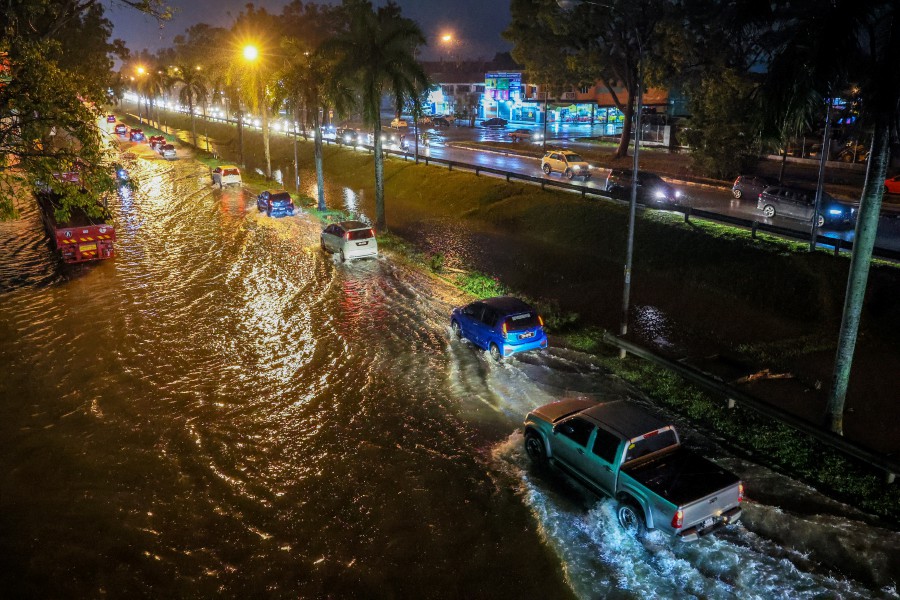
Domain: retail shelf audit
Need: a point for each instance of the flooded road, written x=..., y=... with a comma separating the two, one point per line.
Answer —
x=223, y=410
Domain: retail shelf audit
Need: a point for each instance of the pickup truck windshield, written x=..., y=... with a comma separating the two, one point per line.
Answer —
x=651, y=444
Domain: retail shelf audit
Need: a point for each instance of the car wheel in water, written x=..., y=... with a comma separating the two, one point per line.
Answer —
x=495, y=352
x=343, y=258
x=322, y=243
x=569, y=174
x=769, y=211
x=820, y=222
x=268, y=212
x=220, y=184
x=546, y=168
x=631, y=518
x=457, y=331
x=534, y=448
x=737, y=193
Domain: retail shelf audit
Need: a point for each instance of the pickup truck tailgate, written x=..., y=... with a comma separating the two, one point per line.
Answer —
x=708, y=511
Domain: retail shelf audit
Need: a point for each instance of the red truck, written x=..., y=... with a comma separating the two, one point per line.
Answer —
x=82, y=238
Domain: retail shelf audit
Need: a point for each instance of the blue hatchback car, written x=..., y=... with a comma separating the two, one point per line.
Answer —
x=502, y=325
x=275, y=202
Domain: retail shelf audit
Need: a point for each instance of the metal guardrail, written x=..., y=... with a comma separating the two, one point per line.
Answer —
x=712, y=384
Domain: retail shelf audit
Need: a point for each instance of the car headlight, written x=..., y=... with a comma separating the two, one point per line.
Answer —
x=678, y=193
x=835, y=211
x=659, y=194
x=577, y=167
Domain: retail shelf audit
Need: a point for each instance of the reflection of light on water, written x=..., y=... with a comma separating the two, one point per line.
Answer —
x=351, y=201
x=653, y=324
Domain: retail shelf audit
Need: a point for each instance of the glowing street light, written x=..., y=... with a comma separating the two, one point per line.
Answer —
x=251, y=52
x=447, y=38
x=141, y=70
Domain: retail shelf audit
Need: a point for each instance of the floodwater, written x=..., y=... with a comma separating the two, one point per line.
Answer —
x=223, y=410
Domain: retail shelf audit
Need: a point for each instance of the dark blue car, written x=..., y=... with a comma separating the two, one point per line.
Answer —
x=503, y=326
x=275, y=202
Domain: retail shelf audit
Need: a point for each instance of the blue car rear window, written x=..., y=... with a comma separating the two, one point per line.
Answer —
x=522, y=321
x=280, y=198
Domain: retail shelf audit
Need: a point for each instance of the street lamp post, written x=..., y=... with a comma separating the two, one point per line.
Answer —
x=140, y=72
x=632, y=205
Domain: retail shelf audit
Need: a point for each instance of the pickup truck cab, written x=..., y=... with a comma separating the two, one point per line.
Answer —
x=615, y=449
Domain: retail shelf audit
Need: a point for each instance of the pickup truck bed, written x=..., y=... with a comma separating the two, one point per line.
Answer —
x=680, y=476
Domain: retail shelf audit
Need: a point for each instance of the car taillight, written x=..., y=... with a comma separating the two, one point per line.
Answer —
x=504, y=329
x=347, y=236
x=541, y=320
x=740, y=492
x=372, y=232
x=678, y=519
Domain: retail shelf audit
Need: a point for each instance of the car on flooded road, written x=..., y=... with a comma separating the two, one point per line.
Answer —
x=136, y=135
x=168, y=152
x=110, y=118
x=276, y=203
x=503, y=326
x=155, y=141
x=616, y=449
x=350, y=240
x=226, y=175
x=121, y=129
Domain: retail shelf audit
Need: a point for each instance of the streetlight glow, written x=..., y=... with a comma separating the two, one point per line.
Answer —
x=140, y=70
x=447, y=37
x=251, y=52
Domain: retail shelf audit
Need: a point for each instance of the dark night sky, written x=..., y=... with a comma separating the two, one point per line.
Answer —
x=476, y=23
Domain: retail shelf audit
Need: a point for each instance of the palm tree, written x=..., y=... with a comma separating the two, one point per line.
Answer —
x=828, y=46
x=193, y=88
x=376, y=56
x=152, y=85
x=305, y=83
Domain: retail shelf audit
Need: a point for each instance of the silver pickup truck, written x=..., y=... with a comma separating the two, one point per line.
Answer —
x=618, y=450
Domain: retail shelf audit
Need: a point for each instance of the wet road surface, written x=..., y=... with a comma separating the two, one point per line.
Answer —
x=224, y=410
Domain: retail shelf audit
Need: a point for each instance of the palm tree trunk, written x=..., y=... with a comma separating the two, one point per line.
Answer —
x=622, y=150
x=193, y=125
x=416, y=131
x=320, y=175
x=265, y=133
x=863, y=242
x=296, y=160
x=380, y=223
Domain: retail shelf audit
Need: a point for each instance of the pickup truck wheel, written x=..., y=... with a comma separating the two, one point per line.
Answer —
x=495, y=352
x=534, y=448
x=457, y=332
x=631, y=518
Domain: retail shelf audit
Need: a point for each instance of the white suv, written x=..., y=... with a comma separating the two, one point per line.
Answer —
x=352, y=239
x=566, y=162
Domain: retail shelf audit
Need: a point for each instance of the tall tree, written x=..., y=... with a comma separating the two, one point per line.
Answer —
x=194, y=88
x=376, y=56
x=568, y=43
x=59, y=59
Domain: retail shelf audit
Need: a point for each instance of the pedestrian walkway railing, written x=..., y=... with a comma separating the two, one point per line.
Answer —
x=734, y=397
